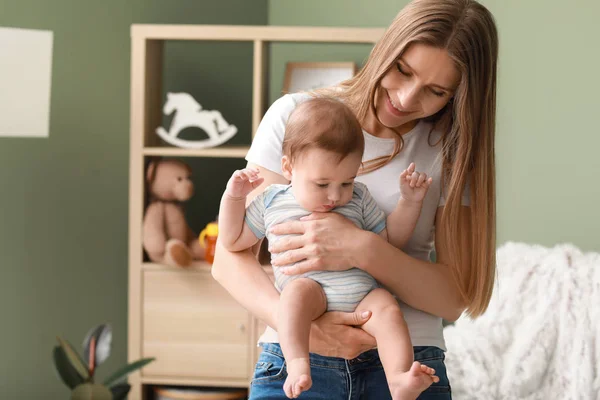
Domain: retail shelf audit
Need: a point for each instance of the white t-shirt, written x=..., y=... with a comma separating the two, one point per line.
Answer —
x=384, y=185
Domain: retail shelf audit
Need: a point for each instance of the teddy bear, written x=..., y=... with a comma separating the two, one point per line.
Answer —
x=167, y=237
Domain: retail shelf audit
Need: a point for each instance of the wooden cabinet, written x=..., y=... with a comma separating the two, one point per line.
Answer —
x=199, y=335
x=193, y=328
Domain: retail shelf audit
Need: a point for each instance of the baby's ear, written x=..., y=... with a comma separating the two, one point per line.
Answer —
x=286, y=168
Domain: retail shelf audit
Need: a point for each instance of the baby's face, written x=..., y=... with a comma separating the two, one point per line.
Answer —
x=320, y=181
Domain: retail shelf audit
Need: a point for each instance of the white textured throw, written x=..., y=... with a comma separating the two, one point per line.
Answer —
x=540, y=338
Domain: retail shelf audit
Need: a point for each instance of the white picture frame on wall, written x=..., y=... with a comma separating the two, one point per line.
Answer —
x=305, y=76
x=25, y=82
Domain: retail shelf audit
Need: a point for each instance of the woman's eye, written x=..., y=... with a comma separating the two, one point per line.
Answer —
x=399, y=66
x=322, y=185
x=346, y=184
x=438, y=94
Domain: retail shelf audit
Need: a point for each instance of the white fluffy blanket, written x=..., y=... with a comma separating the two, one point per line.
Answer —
x=540, y=338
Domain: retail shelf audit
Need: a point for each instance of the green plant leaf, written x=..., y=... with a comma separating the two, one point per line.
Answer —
x=103, y=335
x=91, y=391
x=126, y=370
x=74, y=358
x=120, y=391
x=65, y=369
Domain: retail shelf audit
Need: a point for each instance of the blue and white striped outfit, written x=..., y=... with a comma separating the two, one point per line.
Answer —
x=343, y=289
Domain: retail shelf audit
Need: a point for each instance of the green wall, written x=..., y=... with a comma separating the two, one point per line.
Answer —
x=548, y=138
x=64, y=200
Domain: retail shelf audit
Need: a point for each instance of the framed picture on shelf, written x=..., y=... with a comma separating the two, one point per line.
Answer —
x=302, y=76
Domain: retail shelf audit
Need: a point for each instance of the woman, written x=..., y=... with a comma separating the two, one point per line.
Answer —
x=427, y=94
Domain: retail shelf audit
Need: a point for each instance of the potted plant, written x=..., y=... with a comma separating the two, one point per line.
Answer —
x=78, y=372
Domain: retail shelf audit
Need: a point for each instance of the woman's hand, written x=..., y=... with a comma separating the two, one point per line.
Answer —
x=324, y=241
x=334, y=335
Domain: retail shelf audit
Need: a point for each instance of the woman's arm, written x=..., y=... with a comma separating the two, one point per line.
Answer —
x=241, y=274
x=423, y=285
x=328, y=241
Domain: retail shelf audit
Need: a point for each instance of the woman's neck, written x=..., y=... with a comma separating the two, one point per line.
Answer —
x=376, y=128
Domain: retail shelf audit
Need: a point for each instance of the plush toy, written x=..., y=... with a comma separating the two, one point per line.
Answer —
x=167, y=237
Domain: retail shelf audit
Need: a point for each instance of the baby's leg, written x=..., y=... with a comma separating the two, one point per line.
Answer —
x=301, y=302
x=405, y=378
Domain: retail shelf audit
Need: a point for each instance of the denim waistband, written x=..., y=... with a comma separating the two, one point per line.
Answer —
x=422, y=353
x=332, y=362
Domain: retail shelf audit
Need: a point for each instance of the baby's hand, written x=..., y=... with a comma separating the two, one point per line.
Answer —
x=243, y=182
x=413, y=184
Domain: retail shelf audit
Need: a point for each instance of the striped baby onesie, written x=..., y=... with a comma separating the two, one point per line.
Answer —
x=343, y=289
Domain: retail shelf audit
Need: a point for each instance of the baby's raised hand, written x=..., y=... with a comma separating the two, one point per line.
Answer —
x=413, y=184
x=243, y=182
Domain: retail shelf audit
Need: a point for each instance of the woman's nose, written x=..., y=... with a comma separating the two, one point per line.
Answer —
x=407, y=97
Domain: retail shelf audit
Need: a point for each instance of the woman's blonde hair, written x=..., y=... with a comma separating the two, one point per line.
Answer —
x=467, y=31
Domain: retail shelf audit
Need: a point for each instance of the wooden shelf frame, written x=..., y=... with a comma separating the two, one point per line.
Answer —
x=151, y=39
x=214, y=152
x=147, y=50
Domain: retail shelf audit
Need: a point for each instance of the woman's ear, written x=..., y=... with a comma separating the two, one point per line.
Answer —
x=286, y=168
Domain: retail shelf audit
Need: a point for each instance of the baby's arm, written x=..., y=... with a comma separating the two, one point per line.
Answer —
x=234, y=233
x=402, y=221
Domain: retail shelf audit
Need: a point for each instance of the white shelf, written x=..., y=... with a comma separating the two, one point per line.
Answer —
x=215, y=152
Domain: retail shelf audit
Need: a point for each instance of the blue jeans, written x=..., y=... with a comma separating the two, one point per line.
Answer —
x=361, y=378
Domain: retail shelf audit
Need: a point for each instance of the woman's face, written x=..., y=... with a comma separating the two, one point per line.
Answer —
x=420, y=84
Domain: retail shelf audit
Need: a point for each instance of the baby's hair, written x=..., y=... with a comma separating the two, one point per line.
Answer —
x=322, y=123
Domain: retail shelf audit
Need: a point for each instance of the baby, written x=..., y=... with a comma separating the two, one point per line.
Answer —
x=322, y=153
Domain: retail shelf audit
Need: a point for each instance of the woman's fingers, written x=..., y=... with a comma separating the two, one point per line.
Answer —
x=286, y=243
x=295, y=264
x=289, y=228
x=301, y=267
x=289, y=257
x=314, y=216
x=356, y=318
x=337, y=336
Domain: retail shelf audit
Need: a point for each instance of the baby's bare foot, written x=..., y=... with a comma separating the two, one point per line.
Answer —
x=298, y=379
x=409, y=385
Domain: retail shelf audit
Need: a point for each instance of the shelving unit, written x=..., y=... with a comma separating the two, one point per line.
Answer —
x=219, y=152
x=198, y=333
